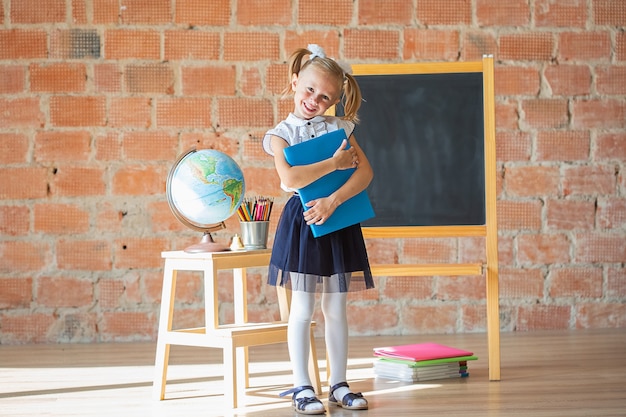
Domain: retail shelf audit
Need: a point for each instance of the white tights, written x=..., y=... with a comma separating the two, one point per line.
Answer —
x=336, y=335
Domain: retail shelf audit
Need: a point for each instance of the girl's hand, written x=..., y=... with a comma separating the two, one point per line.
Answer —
x=319, y=210
x=345, y=158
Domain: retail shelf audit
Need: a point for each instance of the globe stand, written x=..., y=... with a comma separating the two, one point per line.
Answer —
x=207, y=244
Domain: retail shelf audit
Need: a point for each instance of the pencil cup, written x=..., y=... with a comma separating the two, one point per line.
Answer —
x=254, y=234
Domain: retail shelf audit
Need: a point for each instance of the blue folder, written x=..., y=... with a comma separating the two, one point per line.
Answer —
x=353, y=211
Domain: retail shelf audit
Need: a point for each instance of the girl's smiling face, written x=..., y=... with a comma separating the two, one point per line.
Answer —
x=314, y=92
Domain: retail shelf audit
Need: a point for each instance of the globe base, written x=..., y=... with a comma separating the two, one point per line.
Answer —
x=207, y=244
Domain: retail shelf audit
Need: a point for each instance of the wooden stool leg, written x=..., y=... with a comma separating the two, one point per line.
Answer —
x=230, y=375
x=165, y=325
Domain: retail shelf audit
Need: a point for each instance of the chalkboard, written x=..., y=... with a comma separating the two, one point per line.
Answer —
x=424, y=137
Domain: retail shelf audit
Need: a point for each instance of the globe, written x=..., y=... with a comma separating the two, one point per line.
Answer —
x=204, y=188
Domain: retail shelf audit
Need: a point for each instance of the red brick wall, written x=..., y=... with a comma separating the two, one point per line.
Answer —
x=98, y=97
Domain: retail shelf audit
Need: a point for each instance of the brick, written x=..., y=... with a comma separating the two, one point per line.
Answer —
x=31, y=328
x=162, y=219
x=611, y=80
x=209, y=80
x=264, y=13
x=451, y=12
x=108, y=147
x=569, y=214
x=132, y=44
x=589, y=180
x=84, y=255
x=130, y=112
x=616, y=282
x=464, y=288
x=55, y=146
x=184, y=112
x=138, y=180
x=376, y=12
x=474, y=318
x=519, y=215
x=127, y=326
x=566, y=14
x=253, y=112
x=210, y=140
x=507, y=115
x=472, y=250
x=611, y=213
x=21, y=113
x=149, y=78
x=250, y=82
x=263, y=181
x=60, y=219
x=16, y=293
x=192, y=44
x=75, y=44
x=64, y=292
x=610, y=146
x=503, y=13
x=604, y=114
x=105, y=11
x=78, y=182
x=23, y=44
x=440, y=318
x=409, y=288
x=15, y=148
x=38, y=11
x=605, y=315
x=513, y=146
x=150, y=146
x=382, y=251
x=23, y=183
x=108, y=78
x=542, y=249
x=476, y=44
x=146, y=12
x=515, y=81
x=380, y=316
x=584, y=46
x=79, y=12
x=201, y=12
x=58, y=77
x=12, y=79
x=545, y=113
x=536, y=46
x=110, y=218
x=620, y=46
x=14, y=220
x=543, y=317
x=336, y=12
x=609, y=12
x=112, y=292
x=327, y=39
x=425, y=250
x=532, y=181
x=598, y=248
x=276, y=79
x=555, y=145
x=575, y=282
x=568, y=80
x=425, y=44
x=252, y=150
x=521, y=283
x=136, y=252
x=22, y=256
x=77, y=111
x=371, y=44
x=251, y=46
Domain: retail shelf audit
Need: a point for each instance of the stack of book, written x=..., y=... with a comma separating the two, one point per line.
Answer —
x=421, y=362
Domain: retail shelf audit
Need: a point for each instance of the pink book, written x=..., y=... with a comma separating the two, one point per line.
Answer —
x=420, y=352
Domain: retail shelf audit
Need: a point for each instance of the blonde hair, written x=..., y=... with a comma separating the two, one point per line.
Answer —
x=351, y=96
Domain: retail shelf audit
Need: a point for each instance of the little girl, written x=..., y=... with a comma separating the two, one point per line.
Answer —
x=332, y=264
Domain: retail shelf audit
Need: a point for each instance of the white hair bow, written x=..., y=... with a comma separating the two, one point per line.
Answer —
x=317, y=51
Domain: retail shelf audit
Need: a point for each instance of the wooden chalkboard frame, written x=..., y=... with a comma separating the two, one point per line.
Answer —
x=488, y=230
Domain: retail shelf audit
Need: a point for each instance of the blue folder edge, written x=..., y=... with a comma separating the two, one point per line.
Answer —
x=355, y=210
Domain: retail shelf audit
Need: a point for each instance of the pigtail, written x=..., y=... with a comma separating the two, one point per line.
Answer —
x=295, y=66
x=351, y=99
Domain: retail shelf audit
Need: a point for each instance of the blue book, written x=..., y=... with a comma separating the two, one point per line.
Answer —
x=353, y=211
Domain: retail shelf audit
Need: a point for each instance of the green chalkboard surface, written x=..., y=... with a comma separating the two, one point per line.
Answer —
x=424, y=137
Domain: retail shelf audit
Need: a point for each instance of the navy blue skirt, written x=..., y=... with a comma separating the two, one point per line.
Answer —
x=336, y=262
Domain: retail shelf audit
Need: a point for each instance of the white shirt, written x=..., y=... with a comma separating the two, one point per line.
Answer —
x=294, y=130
